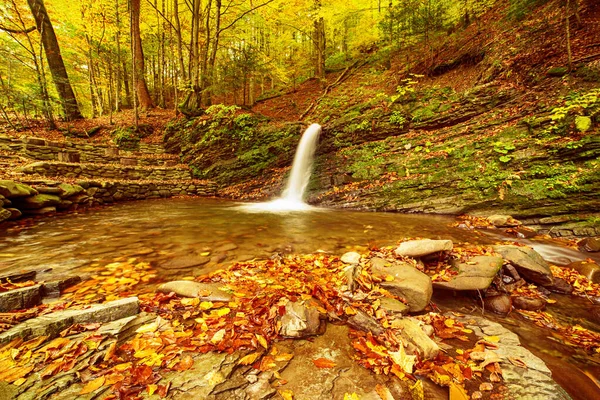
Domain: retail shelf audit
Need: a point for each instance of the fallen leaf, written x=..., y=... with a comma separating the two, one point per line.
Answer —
x=262, y=341
x=324, y=363
x=249, y=359
x=457, y=392
x=286, y=394
x=218, y=336
x=93, y=385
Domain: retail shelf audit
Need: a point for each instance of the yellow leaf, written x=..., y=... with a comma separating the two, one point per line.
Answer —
x=19, y=381
x=222, y=311
x=218, y=336
x=457, y=392
x=350, y=311
x=449, y=322
x=205, y=305
x=190, y=302
x=283, y=357
x=249, y=359
x=286, y=394
x=493, y=339
x=93, y=385
x=122, y=367
x=206, y=253
x=389, y=278
x=144, y=353
x=261, y=340
x=151, y=327
x=467, y=330
x=151, y=389
x=353, y=396
x=417, y=391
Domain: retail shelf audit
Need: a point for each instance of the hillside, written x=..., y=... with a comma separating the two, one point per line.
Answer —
x=488, y=121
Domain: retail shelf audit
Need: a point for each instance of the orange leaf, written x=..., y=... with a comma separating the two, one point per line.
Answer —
x=186, y=362
x=93, y=385
x=324, y=363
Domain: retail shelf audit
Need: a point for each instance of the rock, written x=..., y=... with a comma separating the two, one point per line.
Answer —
x=41, y=211
x=588, y=269
x=18, y=276
x=185, y=262
x=412, y=333
x=11, y=190
x=560, y=286
x=18, y=299
x=261, y=389
x=203, y=291
x=499, y=304
x=300, y=321
x=39, y=201
x=226, y=247
x=557, y=71
x=528, y=303
x=350, y=257
x=55, y=288
x=364, y=322
x=393, y=306
x=69, y=157
x=128, y=161
x=48, y=190
x=420, y=248
x=501, y=221
x=52, y=324
x=591, y=244
x=476, y=274
x=583, y=123
x=351, y=272
x=409, y=283
x=528, y=262
x=4, y=214
x=70, y=190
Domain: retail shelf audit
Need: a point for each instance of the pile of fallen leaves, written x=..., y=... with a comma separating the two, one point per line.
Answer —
x=581, y=285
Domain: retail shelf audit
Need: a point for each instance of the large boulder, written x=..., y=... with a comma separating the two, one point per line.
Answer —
x=405, y=281
x=203, y=291
x=591, y=244
x=11, y=190
x=424, y=247
x=476, y=274
x=528, y=262
x=39, y=201
x=588, y=269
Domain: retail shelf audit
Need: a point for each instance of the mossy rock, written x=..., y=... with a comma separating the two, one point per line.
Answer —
x=583, y=123
x=39, y=201
x=557, y=71
x=10, y=190
x=70, y=190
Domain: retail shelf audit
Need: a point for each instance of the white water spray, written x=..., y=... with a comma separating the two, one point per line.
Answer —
x=292, y=198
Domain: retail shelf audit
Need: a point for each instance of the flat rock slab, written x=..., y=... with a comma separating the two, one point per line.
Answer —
x=420, y=248
x=476, y=274
x=408, y=283
x=203, y=291
x=11, y=190
x=19, y=299
x=55, y=288
x=350, y=257
x=533, y=382
x=52, y=324
x=528, y=262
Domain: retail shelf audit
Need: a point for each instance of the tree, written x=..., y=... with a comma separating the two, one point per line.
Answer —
x=139, y=80
x=55, y=60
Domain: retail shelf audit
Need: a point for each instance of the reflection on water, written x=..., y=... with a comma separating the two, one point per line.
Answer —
x=173, y=235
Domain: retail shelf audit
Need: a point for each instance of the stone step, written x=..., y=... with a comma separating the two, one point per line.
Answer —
x=46, y=150
x=105, y=171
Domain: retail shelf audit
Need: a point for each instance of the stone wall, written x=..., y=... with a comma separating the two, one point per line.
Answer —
x=42, y=149
x=44, y=197
x=106, y=171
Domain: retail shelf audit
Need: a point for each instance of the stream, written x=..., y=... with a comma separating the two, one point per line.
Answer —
x=172, y=235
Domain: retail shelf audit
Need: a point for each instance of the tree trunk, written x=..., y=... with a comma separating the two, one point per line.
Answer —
x=55, y=60
x=144, y=99
x=179, y=39
x=319, y=48
x=568, y=32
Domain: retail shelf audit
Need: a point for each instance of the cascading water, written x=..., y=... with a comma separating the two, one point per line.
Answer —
x=292, y=198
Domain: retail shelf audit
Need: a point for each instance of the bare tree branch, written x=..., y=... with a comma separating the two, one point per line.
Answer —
x=242, y=15
x=9, y=30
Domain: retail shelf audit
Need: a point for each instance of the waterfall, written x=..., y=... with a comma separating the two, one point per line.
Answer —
x=292, y=198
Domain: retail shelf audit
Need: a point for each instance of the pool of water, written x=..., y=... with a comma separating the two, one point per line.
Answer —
x=172, y=234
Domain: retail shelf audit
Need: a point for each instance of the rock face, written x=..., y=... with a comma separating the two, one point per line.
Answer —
x=528, y=262
x=476, y=274
x=18, y=299
x=409, y=283
x=420, y=248
x=203, y=291
x=300, y=321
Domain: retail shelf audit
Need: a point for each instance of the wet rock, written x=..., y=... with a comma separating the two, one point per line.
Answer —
x=48, y=190
x=560, y=286
x=591, y=244
x=351, y=272
x=364, y=322
x=261, y=389
x=350, y=257
x=218, y=258
x=501, y=221
x=41, y=211
x=70, y=190
x=412, y=333
x=11, y=190
x=528, y=303
x=4, y=214
x=409, y=283
x=300, y=321
x=39, y=201
x=420, y=248
x=18, y=276
x=55, y=288
x=393, y=306
x=18, y=299
x=52, y=324
x=499, y=304
x=595, y=314
x=185, y=262
x=203, y=291
x=528, y=262
x=588, y=269
x=476, y=274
